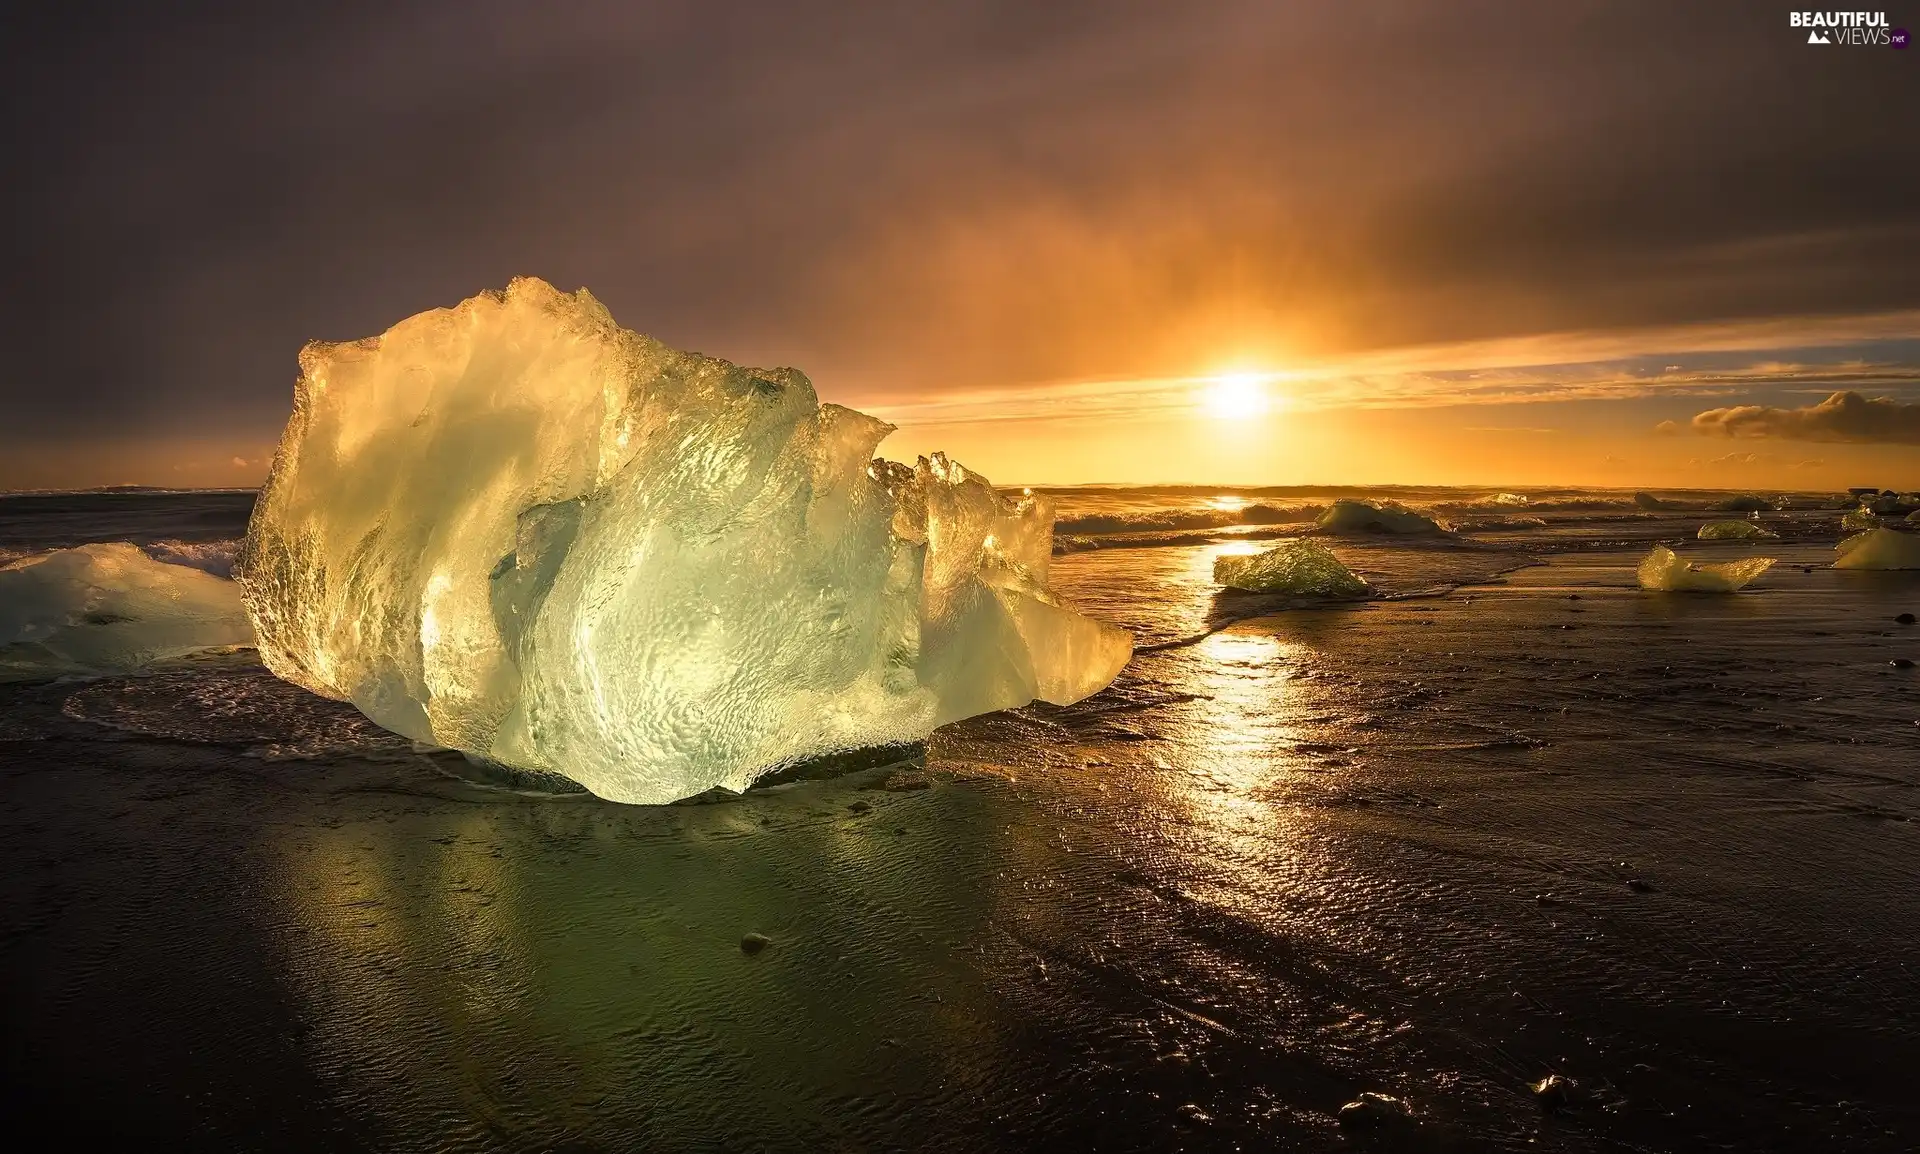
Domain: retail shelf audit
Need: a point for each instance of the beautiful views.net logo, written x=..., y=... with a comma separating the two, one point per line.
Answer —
x=1855, y=28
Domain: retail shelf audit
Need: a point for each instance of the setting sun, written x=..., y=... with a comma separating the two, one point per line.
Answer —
x=1236, y=396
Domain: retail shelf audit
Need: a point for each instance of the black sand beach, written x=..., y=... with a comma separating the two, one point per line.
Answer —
x=1438, y=848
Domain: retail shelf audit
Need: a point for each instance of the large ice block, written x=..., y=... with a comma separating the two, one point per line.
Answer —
x=516, y=529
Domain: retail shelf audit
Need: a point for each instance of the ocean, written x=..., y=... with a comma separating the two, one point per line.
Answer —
x=1516, y=818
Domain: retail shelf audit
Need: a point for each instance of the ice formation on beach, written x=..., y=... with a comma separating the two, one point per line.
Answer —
x=1859, y=520
x=1348, y=516
x=1744, y=503
x=1734, y=531
x=1879, y=549
x=1307, y=568
x=1650, y=503
x=110, y=609
x=1665, y=571
x=516, y=529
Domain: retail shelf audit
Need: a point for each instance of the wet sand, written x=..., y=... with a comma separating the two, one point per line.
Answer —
x=1437, y=848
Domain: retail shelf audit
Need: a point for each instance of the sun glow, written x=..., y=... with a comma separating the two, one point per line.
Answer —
x=1236, y=396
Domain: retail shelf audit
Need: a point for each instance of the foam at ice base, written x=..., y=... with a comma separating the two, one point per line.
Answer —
x=1734, y=531
x=110, y=609
x=1664, y=571
x=1879, y=549
x=1375, y=517
x=516, y=529
x=1307, y=568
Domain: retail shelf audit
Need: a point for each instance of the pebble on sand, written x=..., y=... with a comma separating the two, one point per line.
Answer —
x=1904, y=619
x=754, y=943
x=1554, y=1092
x=1371, y=1109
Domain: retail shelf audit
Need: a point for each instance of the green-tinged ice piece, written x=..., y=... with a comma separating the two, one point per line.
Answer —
x=1376, y=517
x=1734, y=531
x=516, y=529
x=1859, y=520
x=1664, y=571
x=1879, y=549
x=110, y=609
x=1305, y=568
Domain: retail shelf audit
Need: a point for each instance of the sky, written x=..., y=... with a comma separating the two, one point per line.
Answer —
x=1617, y=243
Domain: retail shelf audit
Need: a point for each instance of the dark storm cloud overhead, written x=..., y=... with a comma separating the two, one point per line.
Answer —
x=919, y=194
x=1844, y=416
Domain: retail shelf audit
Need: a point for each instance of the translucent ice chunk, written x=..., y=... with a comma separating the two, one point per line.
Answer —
x=1664, y=571
x=519, y=530
x=110, y=609
x=1879, y=549
x=1734, y=531
x=1376, y=517
x=1859, y=520
x=1307, y=568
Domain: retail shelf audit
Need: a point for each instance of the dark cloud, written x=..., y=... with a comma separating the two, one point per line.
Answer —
x=915, y=197
x=1844, y=416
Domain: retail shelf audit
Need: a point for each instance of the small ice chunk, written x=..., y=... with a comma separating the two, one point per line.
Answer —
x=1734, y=531
x=110, y=608
x=1371, y=1110
x=1307, y=568
x=1665, y=571
x=1348, y=516
x=1879, y=549
x=1859, y=520
x=1744, y=503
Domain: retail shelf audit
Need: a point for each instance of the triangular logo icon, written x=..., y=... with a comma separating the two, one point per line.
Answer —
x=1816, y=38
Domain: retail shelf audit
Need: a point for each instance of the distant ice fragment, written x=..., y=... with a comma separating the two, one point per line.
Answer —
x=1744, y=503
x=1879, y=549
x=1651, y=503
x=1734, y=531
x=516, y=529
x=1306, y=568
x=1664, y=571
x=110, y=609
x=1859, y=520
x=1347, y=516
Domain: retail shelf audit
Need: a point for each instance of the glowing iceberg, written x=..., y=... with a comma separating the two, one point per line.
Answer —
x=516, y=529
x=1879, y=549
x=1664, y=571
x=110, y=609
x=1307, y=568
x=1734, y=531
x=1347, y=516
